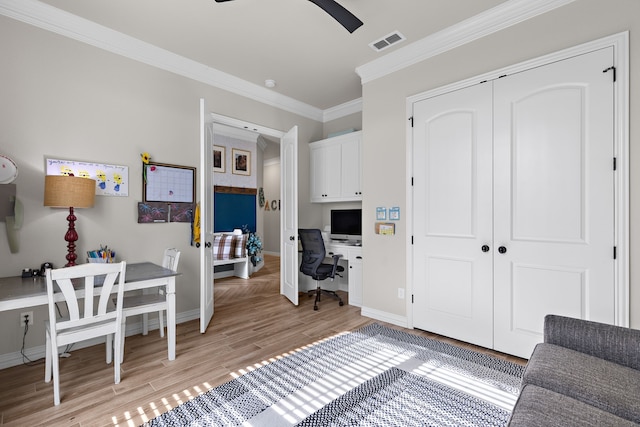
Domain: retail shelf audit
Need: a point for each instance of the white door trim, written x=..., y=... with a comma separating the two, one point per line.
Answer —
x=620, y=44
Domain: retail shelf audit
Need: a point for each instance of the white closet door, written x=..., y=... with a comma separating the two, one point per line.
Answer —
x=554, y=198
x=453, y=279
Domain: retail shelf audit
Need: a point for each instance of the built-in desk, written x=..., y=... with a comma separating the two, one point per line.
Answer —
x=352, y=262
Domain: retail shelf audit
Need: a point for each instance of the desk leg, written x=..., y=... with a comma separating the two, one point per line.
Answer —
x=171, y=317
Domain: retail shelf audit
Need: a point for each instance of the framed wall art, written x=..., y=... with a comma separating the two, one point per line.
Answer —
x=241, y=160
x=219, y=158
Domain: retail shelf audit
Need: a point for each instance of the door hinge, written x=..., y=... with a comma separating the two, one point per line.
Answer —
x=411, y=298
x=412, y=181
x=412, y=240
x=611, y=69
x=615, y=163
x=615, y=252
x=411, y=120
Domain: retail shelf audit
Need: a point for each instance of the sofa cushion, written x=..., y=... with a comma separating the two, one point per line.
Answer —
x=609, y=342
x=539, y=407
x=605, y=385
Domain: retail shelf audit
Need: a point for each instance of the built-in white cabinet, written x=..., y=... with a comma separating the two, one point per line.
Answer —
x=352, y=261
x=355, y=276
x=336, y=169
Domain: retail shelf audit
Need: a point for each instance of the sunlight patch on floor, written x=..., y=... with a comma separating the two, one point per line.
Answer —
x=467, y=384
x=302, y=403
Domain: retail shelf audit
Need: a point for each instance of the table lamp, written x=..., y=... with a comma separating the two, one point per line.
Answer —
x=61, y=191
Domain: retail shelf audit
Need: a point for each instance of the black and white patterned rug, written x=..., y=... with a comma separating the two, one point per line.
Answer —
x=375, y=376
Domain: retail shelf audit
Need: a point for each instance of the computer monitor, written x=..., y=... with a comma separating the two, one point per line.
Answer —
x=346, y=224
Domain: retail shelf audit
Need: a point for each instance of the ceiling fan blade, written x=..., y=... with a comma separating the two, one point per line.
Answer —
x=347, y=19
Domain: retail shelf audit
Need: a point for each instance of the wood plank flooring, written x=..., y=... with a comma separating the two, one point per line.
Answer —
x=252, y=323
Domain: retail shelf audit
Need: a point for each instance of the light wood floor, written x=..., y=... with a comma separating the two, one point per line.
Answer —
x=251, y=324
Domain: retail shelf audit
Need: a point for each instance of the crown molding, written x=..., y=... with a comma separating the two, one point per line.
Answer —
x=52, y=19
x=342, y=110
x=493, y=20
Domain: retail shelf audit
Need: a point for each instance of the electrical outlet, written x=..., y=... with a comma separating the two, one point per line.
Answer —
x=401, y=293
x=22, y=316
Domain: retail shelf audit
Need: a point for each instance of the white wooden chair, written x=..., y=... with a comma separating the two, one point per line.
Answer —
x=68, y=285
x=144, y=304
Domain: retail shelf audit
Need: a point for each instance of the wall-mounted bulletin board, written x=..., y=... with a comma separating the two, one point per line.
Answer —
x=168, y=192
x=169, y=183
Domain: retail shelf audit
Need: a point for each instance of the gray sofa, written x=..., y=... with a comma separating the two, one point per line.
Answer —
x=583, y=374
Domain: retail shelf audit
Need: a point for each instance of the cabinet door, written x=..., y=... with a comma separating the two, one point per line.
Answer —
x=351, y=170
x=355, y=277
x=325, y=172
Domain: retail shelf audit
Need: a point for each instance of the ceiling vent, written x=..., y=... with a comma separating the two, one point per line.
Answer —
x=387, y=41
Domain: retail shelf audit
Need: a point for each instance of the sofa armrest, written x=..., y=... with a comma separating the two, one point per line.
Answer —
x=613, y=343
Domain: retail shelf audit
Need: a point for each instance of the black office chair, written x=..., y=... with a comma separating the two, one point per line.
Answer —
x=313, y=253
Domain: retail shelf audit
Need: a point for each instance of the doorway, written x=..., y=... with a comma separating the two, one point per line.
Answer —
x=288, y=196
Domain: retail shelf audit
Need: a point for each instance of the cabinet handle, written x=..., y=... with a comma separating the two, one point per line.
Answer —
x=207, y=245
x=485, y=248
x=502, y=250
x=292, y=238
x=358, y=257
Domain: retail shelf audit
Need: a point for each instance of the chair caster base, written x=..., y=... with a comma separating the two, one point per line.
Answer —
x=315, y=307
x=340, y=303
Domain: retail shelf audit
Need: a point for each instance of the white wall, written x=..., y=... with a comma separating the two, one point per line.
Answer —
x=385, y=118
x=64, y=99
x=272, y=209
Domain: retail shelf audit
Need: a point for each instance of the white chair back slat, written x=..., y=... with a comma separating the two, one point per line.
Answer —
x=89, y=285
x=69, y=293
x=171, y=258
x=106, y=293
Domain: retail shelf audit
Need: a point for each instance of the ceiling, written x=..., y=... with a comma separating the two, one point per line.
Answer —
x=312, y=58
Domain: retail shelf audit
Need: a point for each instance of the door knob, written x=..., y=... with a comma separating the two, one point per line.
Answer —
x=197, y=244
x=502, y=250
x=207, y=244
x=485, y=248
x=292, y=238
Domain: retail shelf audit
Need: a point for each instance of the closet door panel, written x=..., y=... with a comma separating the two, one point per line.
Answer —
x=553, y=198
x=453, y=277
x=549, y=153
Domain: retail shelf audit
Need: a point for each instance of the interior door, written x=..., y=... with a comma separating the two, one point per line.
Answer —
x=452, y=259
x=206, y=216
x=289, y=215
x=554, y=198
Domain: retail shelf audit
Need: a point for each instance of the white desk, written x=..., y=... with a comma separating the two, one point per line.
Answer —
x=352, y=254
x=16, y=292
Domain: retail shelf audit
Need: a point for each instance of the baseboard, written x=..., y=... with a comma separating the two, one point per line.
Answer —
x=35, y=353
x=382, y=316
